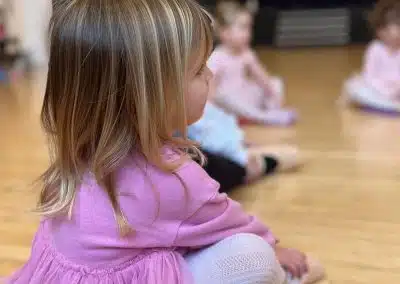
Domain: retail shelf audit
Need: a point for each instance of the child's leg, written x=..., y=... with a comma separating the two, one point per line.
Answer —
x=226, y=172
x=240, y=259
x=257, y=113
x=350, y=86
x=370, y=98
x=259, y=166
x=231, y=175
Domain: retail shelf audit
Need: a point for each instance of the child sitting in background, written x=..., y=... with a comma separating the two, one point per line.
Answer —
x=229, y=161
x=122, y=200
x=242, y=85
x=378, y=85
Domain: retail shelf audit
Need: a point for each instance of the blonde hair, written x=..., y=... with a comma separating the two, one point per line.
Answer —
x=116, y=81
x=228, y=10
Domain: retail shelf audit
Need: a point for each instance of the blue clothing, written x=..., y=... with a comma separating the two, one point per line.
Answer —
x=219, y=133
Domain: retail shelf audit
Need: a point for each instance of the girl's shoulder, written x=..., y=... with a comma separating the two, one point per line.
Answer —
x=188, y=174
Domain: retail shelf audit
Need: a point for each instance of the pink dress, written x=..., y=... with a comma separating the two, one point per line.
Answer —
x=382, y=70
x=232, y=76
x=171, y=214
x=243, y=88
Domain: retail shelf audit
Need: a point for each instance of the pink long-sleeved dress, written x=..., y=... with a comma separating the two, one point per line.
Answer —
x=170, y=214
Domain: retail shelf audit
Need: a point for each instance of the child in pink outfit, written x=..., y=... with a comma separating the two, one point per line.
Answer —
x=382, y=69
x=378, y=85
x=242, y=85
x=88, y=247
x=122, y=200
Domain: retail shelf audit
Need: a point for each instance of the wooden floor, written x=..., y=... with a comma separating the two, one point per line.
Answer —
x=343, y=207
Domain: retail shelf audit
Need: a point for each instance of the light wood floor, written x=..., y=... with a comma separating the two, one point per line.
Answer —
x=343, y=207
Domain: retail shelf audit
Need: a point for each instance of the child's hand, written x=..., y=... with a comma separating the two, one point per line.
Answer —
x=275, y=92
x=294, y=261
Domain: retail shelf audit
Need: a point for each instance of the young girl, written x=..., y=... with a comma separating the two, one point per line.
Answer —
x=242, y=85
x=229, y=160
x=378, y=85
x=122, y=200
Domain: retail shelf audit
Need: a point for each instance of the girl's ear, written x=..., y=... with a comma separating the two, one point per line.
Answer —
x=253, y=6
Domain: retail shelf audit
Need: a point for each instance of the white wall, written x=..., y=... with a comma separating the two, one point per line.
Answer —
x=29, y=21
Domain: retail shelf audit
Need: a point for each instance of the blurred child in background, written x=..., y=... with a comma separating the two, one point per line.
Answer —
x=242, y=85
x=378, y=85
x=229, y=160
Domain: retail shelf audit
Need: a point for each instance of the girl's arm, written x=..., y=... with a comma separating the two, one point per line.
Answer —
x=217, y=218
x=259, y=73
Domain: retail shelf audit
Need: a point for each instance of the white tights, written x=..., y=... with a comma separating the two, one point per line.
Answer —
x=240, y=259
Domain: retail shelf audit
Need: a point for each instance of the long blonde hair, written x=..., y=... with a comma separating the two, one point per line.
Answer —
x=116, y=81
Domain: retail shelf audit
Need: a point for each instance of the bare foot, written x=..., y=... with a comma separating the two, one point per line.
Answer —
x=315, y=273
x=255, y=168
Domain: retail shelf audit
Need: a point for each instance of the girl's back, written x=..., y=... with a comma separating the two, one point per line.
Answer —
x=170, y=215
x=89, y=247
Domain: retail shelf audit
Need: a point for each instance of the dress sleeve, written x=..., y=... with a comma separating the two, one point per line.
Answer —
x=259, y=72
x=217, y=218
